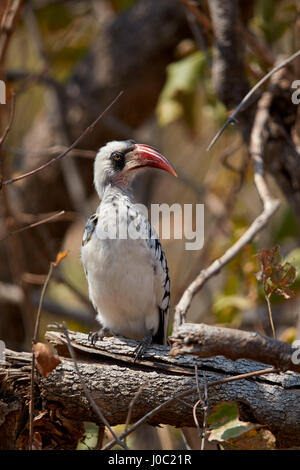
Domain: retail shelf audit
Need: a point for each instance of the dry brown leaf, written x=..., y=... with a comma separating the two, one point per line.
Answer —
x=46, y=361
x=60, y=256
x=277, y=276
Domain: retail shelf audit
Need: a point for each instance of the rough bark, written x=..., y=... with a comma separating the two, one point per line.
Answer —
x=113, y=380
x=206, y=341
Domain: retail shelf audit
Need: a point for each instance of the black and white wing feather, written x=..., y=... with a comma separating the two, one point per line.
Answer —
x=162, y=282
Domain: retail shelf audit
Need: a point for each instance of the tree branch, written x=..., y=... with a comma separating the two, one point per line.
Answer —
x=113, y=381
x=207, y=341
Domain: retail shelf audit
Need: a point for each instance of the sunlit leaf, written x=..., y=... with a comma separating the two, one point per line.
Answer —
x=177, y=97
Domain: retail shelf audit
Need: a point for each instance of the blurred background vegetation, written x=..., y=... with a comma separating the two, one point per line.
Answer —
x=66, y=60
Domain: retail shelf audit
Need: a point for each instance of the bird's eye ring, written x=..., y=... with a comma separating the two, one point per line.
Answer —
x=116, y=156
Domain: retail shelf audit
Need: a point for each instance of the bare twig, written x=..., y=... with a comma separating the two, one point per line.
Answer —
x=246, y=100
x=131, y=405
x=270, y=315
x=11, y=118
x=8, y=23
x=201, y=17
x=53, y=265
x=257, y=225
x=35, y=224
x=15, y=255
x=87, y=131
x=257, y=144
x=34, y=340
x=197, y=402
x=53, y=151
x=270, y=205
x=205, y=408
x=258, y=47
x=204, y=404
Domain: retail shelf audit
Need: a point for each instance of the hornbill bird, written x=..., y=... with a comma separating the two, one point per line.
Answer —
x=124, y=263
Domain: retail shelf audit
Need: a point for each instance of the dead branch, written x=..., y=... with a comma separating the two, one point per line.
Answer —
x=9, y=18
x=206, y=341
x=35, y=224
x=113, y=380
x=270, y=205
x=257, y=225
x=11, y=118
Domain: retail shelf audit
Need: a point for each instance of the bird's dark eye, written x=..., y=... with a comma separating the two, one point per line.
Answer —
x=117, y=156
x=118, y=159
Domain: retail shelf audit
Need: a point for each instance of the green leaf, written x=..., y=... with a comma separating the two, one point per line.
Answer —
x=177, y=97
x=224, y=423
x=294, y=258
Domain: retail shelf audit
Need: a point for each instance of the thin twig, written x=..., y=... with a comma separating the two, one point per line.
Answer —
x=11, y=117
x=34, y=340
x=205, y=408
x=246, y=100
x=52, y=151
x=53, y=264
x=186, y=393
x=204, y=404
x=197, y=402
x=270, y=315
x=89, y=129
x=131, y=405
x=35, y=224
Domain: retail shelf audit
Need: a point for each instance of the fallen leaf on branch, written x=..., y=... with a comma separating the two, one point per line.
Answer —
x=46, y=361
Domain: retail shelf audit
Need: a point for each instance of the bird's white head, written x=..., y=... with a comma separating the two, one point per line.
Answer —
x=117, y=162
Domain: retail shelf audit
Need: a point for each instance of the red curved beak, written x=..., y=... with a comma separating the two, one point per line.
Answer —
x=145, y=156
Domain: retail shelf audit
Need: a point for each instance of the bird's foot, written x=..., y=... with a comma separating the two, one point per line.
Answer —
x=143, y=345
x=100, y=334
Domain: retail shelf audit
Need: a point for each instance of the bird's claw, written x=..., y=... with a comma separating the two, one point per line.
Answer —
x=143, y=346
x=94, y=336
